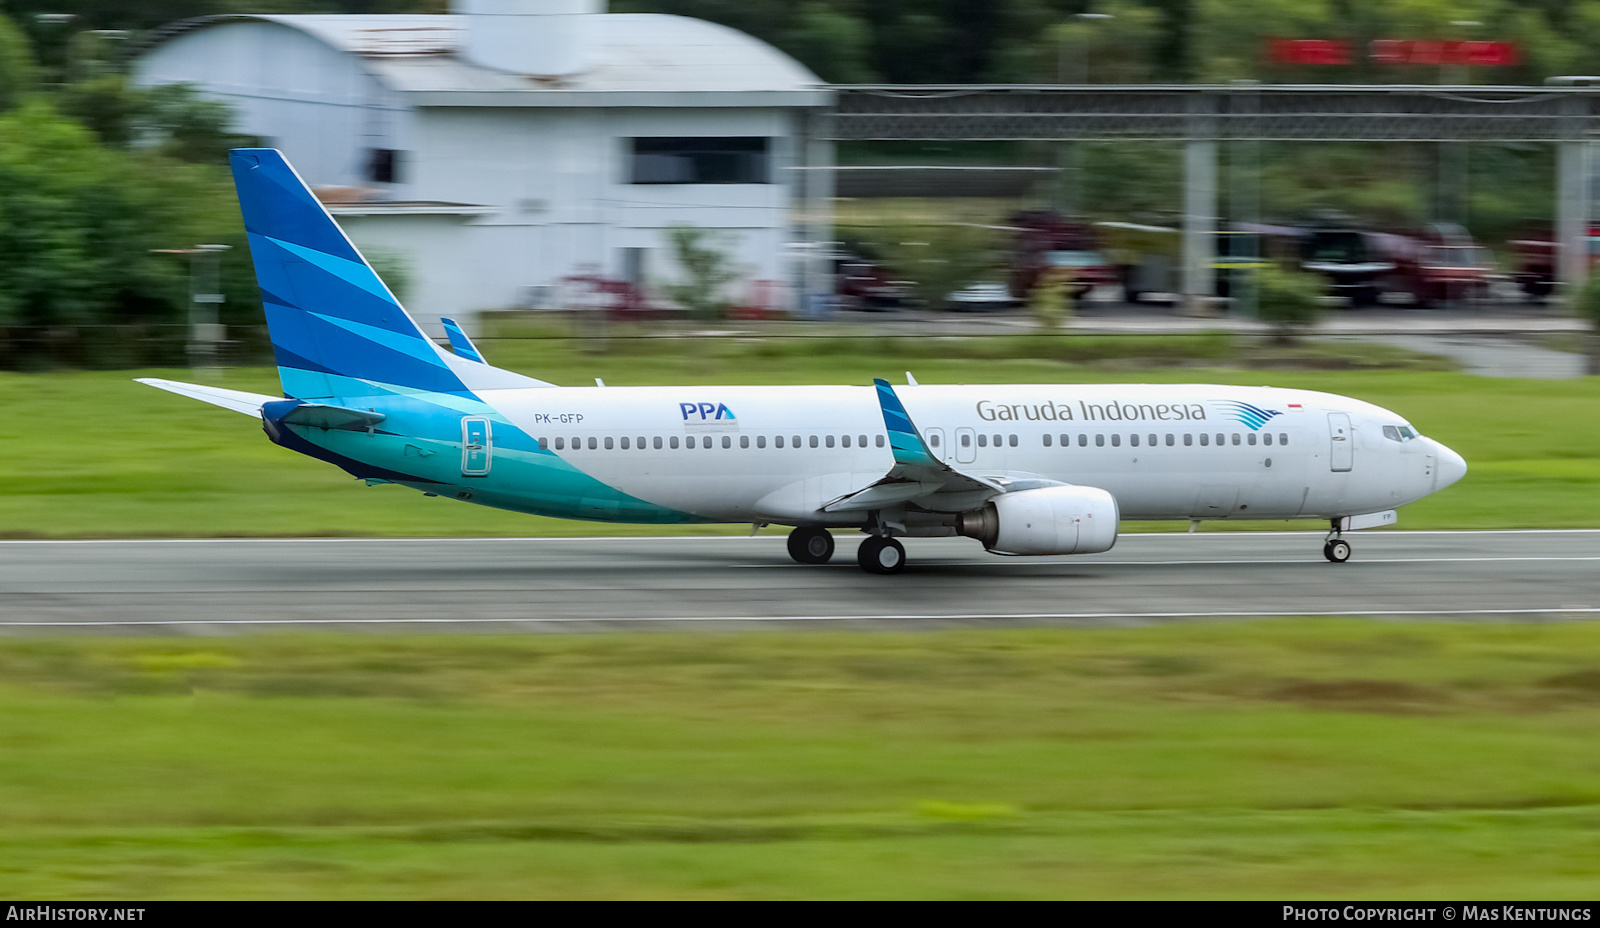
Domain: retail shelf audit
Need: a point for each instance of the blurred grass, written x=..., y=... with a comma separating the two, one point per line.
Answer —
x=92, y=454
x=1274, y=759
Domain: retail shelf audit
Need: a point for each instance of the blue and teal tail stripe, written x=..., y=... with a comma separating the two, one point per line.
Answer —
x=331, y=319
x=903, y=436
x=1252, y=416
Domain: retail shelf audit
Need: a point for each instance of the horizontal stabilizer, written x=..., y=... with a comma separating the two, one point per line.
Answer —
x=237, y=400
x=322, y=416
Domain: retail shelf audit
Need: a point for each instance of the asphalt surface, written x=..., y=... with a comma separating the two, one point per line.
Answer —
x=216, y=586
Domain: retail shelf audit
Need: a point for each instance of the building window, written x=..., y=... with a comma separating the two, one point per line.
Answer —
x=383, y=166
x=736, y=160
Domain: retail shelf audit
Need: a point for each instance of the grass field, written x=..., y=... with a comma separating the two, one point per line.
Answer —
x=1286, y=758
x=94, y=454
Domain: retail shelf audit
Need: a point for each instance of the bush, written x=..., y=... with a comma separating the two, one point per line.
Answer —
x=1289, y=301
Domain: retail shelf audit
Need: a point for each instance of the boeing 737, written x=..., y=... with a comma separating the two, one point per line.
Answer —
x=1031, y=469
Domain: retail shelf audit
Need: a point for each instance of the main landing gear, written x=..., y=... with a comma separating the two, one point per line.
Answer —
x=1335, y=548
x=880, y=554
x=810, y=545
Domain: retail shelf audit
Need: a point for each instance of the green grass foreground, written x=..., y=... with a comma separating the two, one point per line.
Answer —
x=92, y=454
x=1273, y=759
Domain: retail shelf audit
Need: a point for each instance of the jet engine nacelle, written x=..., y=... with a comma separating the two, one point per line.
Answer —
x=1049, y=520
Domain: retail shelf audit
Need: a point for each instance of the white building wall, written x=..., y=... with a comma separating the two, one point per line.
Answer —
x=317, y=104
x=558, y=179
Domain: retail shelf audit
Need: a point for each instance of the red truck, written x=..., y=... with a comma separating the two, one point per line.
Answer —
x=1041, y=239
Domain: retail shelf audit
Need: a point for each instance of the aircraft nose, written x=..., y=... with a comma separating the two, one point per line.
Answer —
x=1451, y=467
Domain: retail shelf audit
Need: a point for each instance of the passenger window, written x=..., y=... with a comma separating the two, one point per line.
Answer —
x=561, y=443
x=1188, y=439
x=609, y=443
x=1221, y=438
x=878, y=440
x=744, y=441
x=656, y=443
x=997, y=440
x=1066, y=441
x=577, y=443
x=1152, y=439
x=727, y=442
x=544, y=444
x=1251, y=438
x=673, y=441
x=966, y=441
x=641, y=442
x=1100, y=441
x=761, y=441
x=1116, y=440
x=813, y=441
x=983, y=441
x=1205, y=440
x=1133, y=440
x=1169, y=439
x=777, y=442
x=1283, y=438
x=625, y=443
x=593, y=444
x=706, y=441
x=797, y=440
x=1236, y=438
x=1083, y=441
x=828, y=440
x=1013, y=441
x=844, y=441
x=1266, y=438
x=863, y=440
x=1047, y=441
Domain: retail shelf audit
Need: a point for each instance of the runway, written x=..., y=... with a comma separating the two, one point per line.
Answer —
x=213, y=586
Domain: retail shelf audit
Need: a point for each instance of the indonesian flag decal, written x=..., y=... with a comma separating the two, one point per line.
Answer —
x=1294, y=405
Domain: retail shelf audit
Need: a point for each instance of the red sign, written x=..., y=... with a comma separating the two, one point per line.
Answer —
x=1394, y=51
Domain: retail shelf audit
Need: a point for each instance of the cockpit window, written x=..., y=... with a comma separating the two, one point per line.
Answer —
x=1398, y=433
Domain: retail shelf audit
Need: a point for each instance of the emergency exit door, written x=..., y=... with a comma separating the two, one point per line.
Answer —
x=1342, y=451
x=477, y=447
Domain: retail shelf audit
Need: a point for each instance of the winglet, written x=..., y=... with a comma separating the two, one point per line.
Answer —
x=904, y=438
x=460, y=343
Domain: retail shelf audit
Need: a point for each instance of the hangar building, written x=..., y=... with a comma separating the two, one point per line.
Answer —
x=515, y=144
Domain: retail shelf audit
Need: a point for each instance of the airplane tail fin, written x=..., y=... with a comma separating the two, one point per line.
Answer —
x=336, y=328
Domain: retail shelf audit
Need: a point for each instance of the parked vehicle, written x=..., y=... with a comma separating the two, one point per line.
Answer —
x=1042, y=239
x=1536, y=266
x=863, y=284
x=1439, y=263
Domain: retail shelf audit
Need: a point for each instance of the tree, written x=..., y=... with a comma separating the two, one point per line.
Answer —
x=707, y=268
x=19, y=71
x=938, y=258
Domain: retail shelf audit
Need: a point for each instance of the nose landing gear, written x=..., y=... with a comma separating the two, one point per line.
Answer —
x=1335, y=548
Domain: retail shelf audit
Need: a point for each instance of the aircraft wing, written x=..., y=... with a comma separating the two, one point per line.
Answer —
x=237, y=400
x=917, y=474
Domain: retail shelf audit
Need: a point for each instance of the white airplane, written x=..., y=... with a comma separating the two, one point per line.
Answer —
x=1025, y=469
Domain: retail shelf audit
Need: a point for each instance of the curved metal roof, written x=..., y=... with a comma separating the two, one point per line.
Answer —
x=639, y=59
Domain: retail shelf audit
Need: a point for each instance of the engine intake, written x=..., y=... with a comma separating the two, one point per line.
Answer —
x=1049, y=520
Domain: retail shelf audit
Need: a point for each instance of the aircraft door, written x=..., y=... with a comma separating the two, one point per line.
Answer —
x=966, y=446
x=935, y=440
x=477, y=446
x=1342, y=455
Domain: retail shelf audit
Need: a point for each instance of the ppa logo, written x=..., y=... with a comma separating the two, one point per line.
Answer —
x=705, y=412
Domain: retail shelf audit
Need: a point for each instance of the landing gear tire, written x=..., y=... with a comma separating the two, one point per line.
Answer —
x=1337, y=551
x=879, y=555
x=811, y=545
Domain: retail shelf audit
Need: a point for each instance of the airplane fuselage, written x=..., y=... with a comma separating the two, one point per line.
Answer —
x=781, y=454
